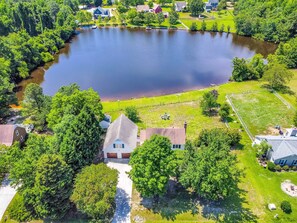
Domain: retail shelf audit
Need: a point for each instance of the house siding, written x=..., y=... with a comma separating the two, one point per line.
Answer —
x=288, y=160
x=118, y=151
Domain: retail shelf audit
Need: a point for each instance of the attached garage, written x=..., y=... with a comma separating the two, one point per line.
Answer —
x=112, y=155
x=126, y=155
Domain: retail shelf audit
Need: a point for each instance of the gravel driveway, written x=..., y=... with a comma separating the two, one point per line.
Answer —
x=124, y=192
x=6, y=195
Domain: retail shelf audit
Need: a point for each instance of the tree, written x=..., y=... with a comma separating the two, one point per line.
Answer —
x=224, y=111
x=78, y=138
x=208, y=102
x=36, y=105
x=97, y=3
x=203, y=26
x=287, y=53
x=196, y=7
x=277, y=76
x=286, y=207
x=52, y=187
x=214, y=27
x=149, y=18
x=222, y=28
x=94, y=191
x=152, y=163
x=193, y=26
x=222, y=5
x=70, y=100
x=263, y=149
x=132, y=113
x=295, y=119
x=160, y=18
x=212, y=172
x=151, y=4
x=173, y=18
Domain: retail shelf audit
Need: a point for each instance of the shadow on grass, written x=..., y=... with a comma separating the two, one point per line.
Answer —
x=283, y=89
x=229, y=211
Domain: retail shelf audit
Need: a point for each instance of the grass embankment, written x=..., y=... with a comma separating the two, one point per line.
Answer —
x=261, y=110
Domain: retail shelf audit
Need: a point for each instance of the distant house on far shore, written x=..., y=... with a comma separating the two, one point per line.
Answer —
x=157, y=8
x=142, y=8
x=12, y=133
x=180, y=6
x=101, y=12
x=208, y=7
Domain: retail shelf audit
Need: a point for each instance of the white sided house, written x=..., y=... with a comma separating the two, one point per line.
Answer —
x=177, y=136
x=121, y=139
x=283, y=147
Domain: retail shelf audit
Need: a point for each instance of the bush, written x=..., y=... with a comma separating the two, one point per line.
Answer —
x=193, y=26
x=294, y=168
x=271, y=166
x=286, y=168
x=132, y=113
x=278, y=168
x=17, y=209
x=286, y=207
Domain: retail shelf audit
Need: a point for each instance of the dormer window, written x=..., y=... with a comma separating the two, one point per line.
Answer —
x=17, y=132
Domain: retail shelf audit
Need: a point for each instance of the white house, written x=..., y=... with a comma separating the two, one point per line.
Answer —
x=177, y=136
x=121, y=138
x=284, y=147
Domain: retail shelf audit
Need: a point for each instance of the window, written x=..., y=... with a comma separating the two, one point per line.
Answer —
x=174, y=146
x=282, y=162
x=118, y=146
x=294, y=163
x=22, y=138
x=17, y=132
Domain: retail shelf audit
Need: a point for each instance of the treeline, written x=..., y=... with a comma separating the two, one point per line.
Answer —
x=30, y=33
x=271, y=20
x=275, y=71
x=53, y=172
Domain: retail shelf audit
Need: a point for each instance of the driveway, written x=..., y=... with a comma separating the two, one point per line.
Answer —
x=124, y=192
x=6, y=195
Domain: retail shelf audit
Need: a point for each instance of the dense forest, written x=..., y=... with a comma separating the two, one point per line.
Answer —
x=270, y=20
x=31, y=32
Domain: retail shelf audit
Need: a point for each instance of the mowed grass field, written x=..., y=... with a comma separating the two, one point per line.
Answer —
x=258, y=187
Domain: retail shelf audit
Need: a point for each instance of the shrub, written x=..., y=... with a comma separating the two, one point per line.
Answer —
x=132, y=113
x=193, y=26
x=286, y=168
x=271, y=166
x=286, y=207
x=278, y=168
x=294, y=168
x=17, y=209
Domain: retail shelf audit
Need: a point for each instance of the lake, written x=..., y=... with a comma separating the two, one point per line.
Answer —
x=125, y=63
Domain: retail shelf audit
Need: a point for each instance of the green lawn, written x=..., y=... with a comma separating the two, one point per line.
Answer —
x=224, y=17
x=258, y=187
x=262, y=110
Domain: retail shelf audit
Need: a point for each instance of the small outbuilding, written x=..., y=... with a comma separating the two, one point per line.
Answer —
x=271, y=207
x=12, y=133
x=180, y=6
x=121, y=139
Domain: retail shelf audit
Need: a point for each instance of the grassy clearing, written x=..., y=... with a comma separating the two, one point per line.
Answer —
x=224, y=17
x=262, y=110
x=258, y=187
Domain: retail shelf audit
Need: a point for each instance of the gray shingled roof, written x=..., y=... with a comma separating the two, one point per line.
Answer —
x=123, y=129
x=175, y=135
x=281, y=146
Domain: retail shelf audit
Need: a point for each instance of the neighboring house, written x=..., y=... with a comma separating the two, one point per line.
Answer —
x=166, y=14
x=142, y=8
x=12, y=133
x=284, y=148
x=177, y=136
x=180, y=6
x=214, y=3
x=208, y=7
x=101, y=12
x=157, y=8
x=121, y=138
x=105, y=123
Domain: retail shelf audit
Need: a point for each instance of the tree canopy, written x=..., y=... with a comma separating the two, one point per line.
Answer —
x=94, y=191
x=152, y=163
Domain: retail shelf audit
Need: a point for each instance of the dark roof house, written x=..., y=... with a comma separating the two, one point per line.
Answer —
x=157, y=8
x=12, y=133
x=101, y=12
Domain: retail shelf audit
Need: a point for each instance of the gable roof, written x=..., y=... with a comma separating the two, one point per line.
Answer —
x=156, y=6
x=101, y=11
x=6, y=134
x=180, y=5
x=175, y=135
x=141, y=8
x=123, y=129
x=282, y=146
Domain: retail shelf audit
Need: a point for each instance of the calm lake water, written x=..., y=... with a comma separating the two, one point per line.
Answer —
x=122, y=63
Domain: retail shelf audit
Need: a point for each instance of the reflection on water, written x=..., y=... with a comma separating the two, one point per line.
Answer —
x=122, y=63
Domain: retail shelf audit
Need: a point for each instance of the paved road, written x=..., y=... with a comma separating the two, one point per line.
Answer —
x=124, y=193
x=6, y=195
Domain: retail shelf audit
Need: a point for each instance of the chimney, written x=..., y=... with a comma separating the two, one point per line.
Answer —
x=185, y=126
